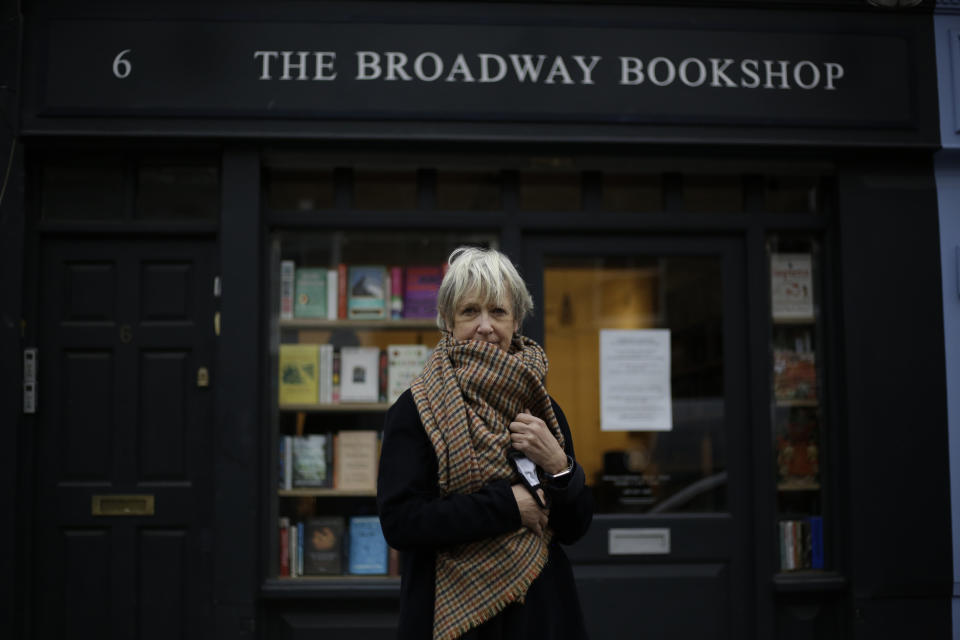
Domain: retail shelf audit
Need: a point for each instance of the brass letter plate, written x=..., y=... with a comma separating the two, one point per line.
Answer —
x=122, y=505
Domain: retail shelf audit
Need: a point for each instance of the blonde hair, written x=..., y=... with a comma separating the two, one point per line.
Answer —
x=489, y=273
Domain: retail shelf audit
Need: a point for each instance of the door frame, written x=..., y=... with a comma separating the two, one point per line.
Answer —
x=737, y=523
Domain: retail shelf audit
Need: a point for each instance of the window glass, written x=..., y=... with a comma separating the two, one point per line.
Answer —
x=682, y=469
x=384, y=190
x=177, y=192
x=792, y=194
x=630, y=192
x=468, y=190
x=712, y=194
x=554, y=191
x=299, y=190
x=87, y=191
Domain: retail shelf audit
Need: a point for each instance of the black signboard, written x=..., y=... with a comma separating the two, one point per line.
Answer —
x=473, y=72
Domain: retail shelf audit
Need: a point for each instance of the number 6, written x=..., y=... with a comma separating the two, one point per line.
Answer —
x=121, y=67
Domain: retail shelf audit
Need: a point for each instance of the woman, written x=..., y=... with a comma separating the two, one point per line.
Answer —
x=480, y=553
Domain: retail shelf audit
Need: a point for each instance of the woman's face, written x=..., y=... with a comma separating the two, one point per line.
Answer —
x=485, y=321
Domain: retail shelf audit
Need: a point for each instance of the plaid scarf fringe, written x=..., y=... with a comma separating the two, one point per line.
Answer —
x=467, y=396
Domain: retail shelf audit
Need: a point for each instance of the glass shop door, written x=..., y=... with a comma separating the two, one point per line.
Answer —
x=646, y=338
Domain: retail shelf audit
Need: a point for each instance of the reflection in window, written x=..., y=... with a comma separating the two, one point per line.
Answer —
x=385, y=190
x=792, y=194
x=468, y=191
x=300, y=190
x=632, y=192
x=712, y=194
x=177, y=193
x=642, y=471
x=555, y=191
x=86, y=191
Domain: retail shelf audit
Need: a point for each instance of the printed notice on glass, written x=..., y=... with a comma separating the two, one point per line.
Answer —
x=635, y=380
x=791, y=286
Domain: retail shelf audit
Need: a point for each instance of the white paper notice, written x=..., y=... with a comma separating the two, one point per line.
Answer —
x=791, y=286
x=635, y=380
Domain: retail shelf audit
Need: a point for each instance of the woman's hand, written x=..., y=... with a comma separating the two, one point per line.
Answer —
x=531, y=515
x=532, y=437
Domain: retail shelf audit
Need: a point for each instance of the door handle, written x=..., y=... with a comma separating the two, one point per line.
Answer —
x=122, y=505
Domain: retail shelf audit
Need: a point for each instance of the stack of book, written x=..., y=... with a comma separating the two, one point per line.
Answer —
x=335, y=545
x=801, y=544
x=358, y=292
x=322, y=374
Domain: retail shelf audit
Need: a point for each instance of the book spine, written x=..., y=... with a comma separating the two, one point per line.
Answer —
x=281, y=474
x=782, y=527
x=816, y=542
x=382, y=369
x=333, y=294
x=396, y=292
x=342, y=291
x=292, y=540
x=284, y=547
x=287, y=274
x=335, y=377
x=791, y=564
x=300, y=548
x=335, y=439
x=288, y=462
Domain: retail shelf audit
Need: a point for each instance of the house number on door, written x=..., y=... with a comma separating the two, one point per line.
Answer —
x=126, y=333
x=122, y=67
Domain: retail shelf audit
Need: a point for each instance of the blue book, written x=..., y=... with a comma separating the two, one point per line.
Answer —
x=368, y=548
x=816, y=542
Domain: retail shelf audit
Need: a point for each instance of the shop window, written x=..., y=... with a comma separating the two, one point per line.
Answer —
x=792, y=194
x=384, y=190
x=468, y=190
x=169, y=192
x=712, y=194
x=553, y=191
x=90, y=190
x=629, y=192
x=300, y=190
x=631, y=467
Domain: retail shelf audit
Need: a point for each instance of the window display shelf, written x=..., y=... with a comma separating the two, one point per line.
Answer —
x=798, y=403
x=326, y=493
x=344, y=407
x=323, y=323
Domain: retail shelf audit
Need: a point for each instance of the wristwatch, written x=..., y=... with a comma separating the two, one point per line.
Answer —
x=564, y=473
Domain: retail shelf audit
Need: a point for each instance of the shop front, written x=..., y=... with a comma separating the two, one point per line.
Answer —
x=233, y=223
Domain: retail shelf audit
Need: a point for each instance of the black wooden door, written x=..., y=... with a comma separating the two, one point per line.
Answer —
x=669, y=553
x=124, y=486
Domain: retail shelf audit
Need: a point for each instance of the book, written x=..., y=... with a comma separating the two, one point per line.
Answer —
x=333, y=294
x=798, y=451
x=816, y=542
x=286, y=462
x=382, y=382
x=292, y=551
x=298, y=381
x=396, y=292
x=393, y=562
x=323, y=546
x=404, y=363
x=791, y=286
x=420, y=288
x=287, y=269
x=325, y=384
x=311, y=293
x=368, y=548
x=355, y=460
x=342, y=291
x=335, y=392
x=367, y=292
x=284, y=547
x=310, y=454
x=794, y=375
x=299, y=548
x=359, y=374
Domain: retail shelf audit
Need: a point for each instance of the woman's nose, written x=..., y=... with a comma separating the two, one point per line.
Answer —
x=484, y=326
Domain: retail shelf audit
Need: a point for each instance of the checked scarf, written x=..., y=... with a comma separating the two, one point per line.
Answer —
x=467, y=396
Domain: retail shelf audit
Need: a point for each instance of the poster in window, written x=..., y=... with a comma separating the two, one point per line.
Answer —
x=791, y=287
x=635, y=380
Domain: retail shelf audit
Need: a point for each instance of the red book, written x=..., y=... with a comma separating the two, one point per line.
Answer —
x=382, y=395
x=342, y=291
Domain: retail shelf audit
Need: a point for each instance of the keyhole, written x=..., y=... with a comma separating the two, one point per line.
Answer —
x=126, y=333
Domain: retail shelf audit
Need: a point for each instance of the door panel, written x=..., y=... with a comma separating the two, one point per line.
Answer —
x=691, y=481
x=125, y=326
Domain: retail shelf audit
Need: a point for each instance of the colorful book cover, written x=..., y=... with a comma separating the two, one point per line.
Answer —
x=298, y=374
x=342, y=291
x=794, y=375
x=367, y=292
x=404, y=363
x=816, y=542
x=326, y=374
x=368, y=548
x=333, y=294
x=359, y=374
x=287, y=270
x=396, y=292
x=420, y=291
x=284, y=547
x=355, y=460
x=311, y=293
x=310, y=461
x=300, y=549
x=323, y=546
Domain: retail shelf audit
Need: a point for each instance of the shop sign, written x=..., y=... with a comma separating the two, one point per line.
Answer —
x=475, y=72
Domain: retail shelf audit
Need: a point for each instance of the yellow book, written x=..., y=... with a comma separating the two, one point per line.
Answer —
x=299, y=379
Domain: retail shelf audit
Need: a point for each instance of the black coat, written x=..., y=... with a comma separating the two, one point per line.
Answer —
x=418, y=522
